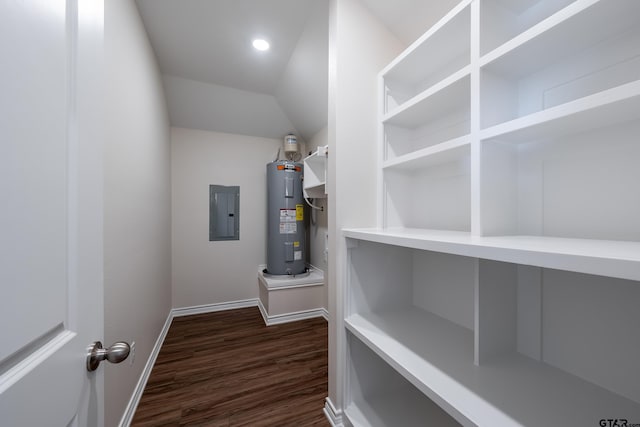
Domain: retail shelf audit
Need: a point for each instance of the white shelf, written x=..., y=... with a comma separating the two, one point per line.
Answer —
x=602, y=109
x=404, y=339
x=502, y=20
x=442, y=50
x=449, y=94
x=439, y=100
x=435, y=197
x=519, y=6
x=600, y=257
x=315, y=173
x=436, y=356
x=318, y=157
x=437, y=154
x=403, y=407
x=316, y=192
x=313, y=181
x=574, y=28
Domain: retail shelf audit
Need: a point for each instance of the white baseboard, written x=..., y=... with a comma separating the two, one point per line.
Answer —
x=210, y=308
x=127, y=417
x=146, y=372
x=291, y=317
x=333, y=415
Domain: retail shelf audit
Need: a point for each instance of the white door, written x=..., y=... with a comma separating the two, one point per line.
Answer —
x=51, y=211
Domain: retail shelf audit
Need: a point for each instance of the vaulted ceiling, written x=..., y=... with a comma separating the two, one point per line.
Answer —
x=210, y=41
x=215, y=80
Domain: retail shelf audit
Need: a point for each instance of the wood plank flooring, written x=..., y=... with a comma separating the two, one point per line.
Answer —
x=228, y=369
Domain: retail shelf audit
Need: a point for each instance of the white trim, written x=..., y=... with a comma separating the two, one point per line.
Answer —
x=283, y=287
x=290, y=282
x=127, y=417
x=210, y=308
x=263, y=312
x=291, y=317
x=333, y=415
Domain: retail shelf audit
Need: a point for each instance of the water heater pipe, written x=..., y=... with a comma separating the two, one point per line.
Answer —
x=320, y=208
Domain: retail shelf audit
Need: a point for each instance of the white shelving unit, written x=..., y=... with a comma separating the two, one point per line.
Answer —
x=403, y=404
x=502, y=284
x=437, y=55
x=315, y=174
x=608, y=258
x=584, y=49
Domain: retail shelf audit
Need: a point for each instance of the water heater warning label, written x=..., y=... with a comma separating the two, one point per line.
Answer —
x=287, y=215
x=299, y=212
x=288, y=218
x=288, y=228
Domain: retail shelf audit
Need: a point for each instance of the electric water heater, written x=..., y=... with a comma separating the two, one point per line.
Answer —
x=285, y=218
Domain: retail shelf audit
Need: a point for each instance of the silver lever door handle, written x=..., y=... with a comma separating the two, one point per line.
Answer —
x=115, y=354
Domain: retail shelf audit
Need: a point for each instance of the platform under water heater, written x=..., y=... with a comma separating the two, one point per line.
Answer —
x=285, y=218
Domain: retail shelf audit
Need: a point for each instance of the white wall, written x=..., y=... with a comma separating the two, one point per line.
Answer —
x=137, y=281
x=359, y=47
x=317, y=232
x=212, y=272
x=205, y=106
x=302, y=89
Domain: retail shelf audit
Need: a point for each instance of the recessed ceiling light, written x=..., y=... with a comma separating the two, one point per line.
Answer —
x=261, y=44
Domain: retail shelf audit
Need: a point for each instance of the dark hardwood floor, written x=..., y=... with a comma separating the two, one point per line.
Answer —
x=229, y=369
